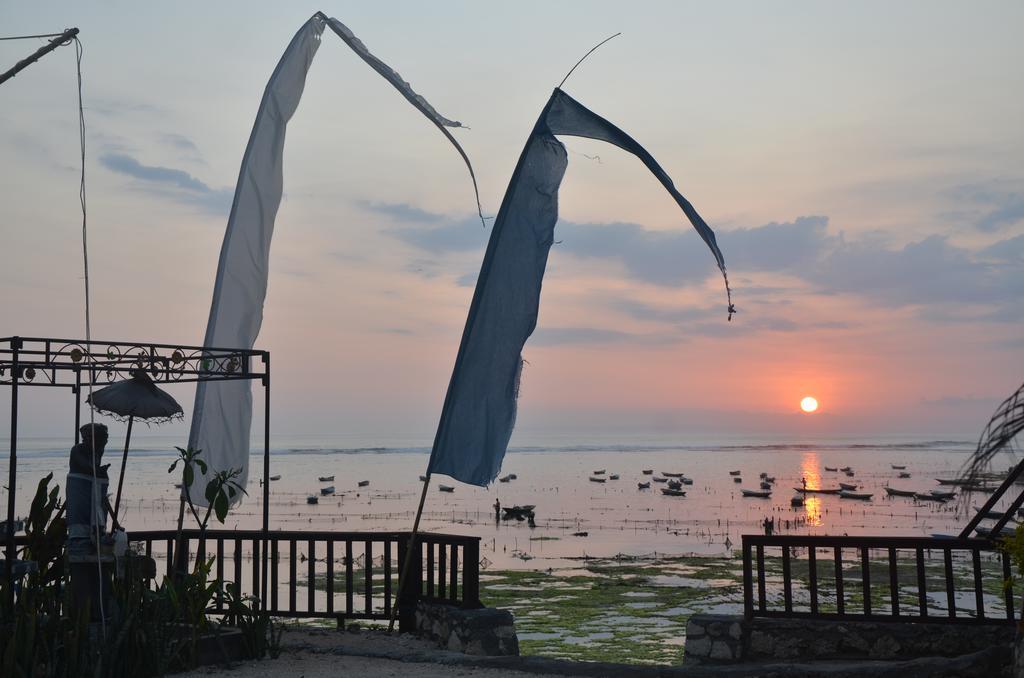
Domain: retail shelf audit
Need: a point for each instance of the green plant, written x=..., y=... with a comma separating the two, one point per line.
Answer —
x=261, y=635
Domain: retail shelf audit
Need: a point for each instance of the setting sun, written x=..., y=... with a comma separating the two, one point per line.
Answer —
x=808, y=404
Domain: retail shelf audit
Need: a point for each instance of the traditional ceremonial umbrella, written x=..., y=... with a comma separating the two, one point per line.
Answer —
x=131, y=398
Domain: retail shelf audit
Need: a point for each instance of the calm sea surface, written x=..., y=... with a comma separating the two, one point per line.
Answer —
x=554, y=476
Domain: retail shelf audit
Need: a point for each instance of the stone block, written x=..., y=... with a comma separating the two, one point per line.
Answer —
x=762, y=643
x=699, y=647
x=721, y=651
x=735, y=631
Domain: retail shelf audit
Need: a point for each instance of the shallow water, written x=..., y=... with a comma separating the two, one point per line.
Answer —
x=617, y=517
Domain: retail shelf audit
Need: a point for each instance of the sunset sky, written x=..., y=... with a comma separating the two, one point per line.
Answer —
x=861, y=164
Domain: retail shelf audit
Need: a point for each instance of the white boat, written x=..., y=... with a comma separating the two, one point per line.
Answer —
x=759, y=494
x=862, y=496
x=446, y=488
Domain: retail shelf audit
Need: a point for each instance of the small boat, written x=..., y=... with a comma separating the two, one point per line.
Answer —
x=595, y=479
x=675, y=484
x=673, y=493
x=644, y=486
x=893, y=492
x=363, y=483
x=849, y=474
x=326, y=479
x=734, y=473
x=513, y=476
x=797, y=500
x=505, y=479
x=846, y=469
x=275, y=477
x=312, y=499
x=952, y=481
x=808, y=490
x=904, y=474
x=614, y=476
x=831, y=468
x=599, y=473
x=920, y=496
x=737, y=479
x=863, y=496
x=942, y=494
x=759, y=494
x=686, y=481
x=446, y=488
x=671, y=475
x=1007, y=531
x=766, y=486
x=327, y=490
x=518, y=512
x=660, y=480
x=898, y=467
x=995, y=515
x=849, y=487
x=647, y=471
x=580, y=534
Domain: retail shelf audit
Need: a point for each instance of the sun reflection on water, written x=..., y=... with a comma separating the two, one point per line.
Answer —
x=812, y=503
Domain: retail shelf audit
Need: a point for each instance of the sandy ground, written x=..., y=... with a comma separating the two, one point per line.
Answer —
x=311, y=653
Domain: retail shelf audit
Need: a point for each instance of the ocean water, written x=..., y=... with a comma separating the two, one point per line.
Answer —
x=553, y=474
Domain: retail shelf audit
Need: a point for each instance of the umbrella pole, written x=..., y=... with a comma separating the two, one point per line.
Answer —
x=124, y=462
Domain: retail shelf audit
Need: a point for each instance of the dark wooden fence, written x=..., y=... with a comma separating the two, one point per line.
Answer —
x=336, y=575
x=877, y=578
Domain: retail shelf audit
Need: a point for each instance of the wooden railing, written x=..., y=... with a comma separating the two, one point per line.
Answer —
x=877, y=578
x=337, y=575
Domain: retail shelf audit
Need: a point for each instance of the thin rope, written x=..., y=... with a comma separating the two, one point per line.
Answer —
x=88, y=332
x=592, y=50
x=29, y=37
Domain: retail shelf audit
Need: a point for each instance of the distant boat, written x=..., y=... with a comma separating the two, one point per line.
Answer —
x=920, y=496
x=849, y=487
x=1007, y=531
x=760, y=494
x=831, y=468
x=505, y=479
x=580, y=534
x=599, y=473
x=863, y=496
x=675, y=484
x=327, y=490
x=952, y=481
x=647, y=471
x=734, y=473
x=844, y=469
x=991, y=514
x=614, y=476
x=941, y=494
x=808, y=490
x=312, y=499
x=671, y=475
x=326, y=479
x=797, y=500
x=686, y=481
x=904, y=474
x=673, y=493
x=275, y=477
x=898, y=467
x=446, y=488
x=849, y=474
x=893, y=492
x=513, y=476
x=518, y=512
x=660, y=480
x=363, y=483
x=737, y=479
x=595, y=479
x=643, y=486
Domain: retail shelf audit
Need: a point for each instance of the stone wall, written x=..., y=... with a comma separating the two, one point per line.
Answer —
x=483, y=631
x=732, y=639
